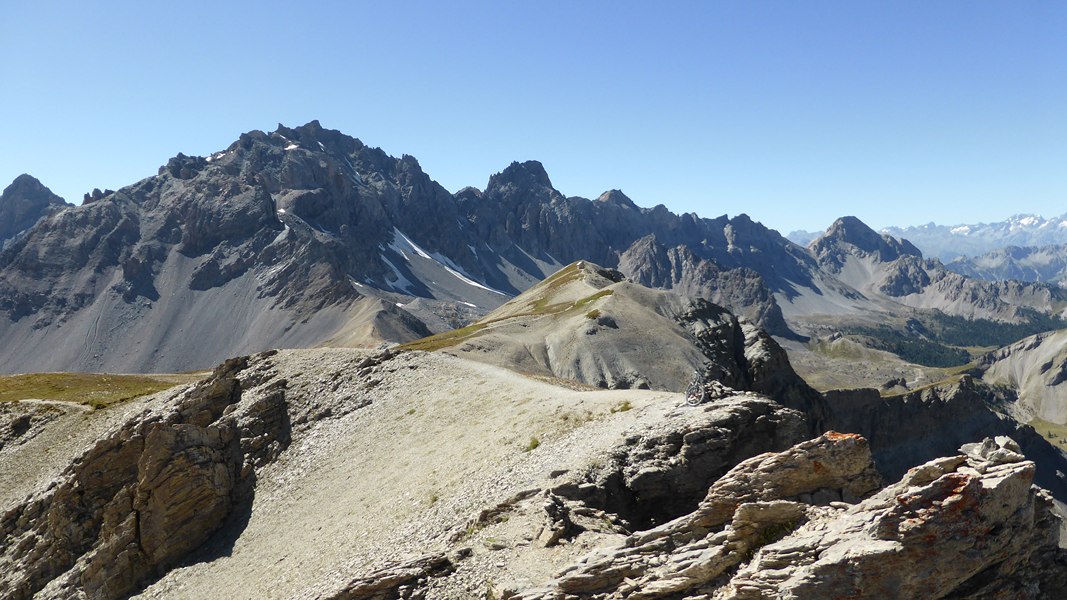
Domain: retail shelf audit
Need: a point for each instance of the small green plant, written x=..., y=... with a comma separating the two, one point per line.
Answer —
x=593, y=314
x=411, y=411
x=433, y=499
x=623, y=407
x=534, y=443
x=770, y=534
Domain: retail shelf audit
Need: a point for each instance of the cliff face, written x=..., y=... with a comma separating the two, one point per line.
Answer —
x=910, y=428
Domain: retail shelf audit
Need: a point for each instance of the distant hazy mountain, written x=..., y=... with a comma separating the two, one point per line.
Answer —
x=803, y=238
x=1043, y=263
x=878, y=267
x=949, y=242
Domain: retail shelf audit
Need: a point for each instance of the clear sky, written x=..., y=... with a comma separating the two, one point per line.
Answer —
x=795, y=113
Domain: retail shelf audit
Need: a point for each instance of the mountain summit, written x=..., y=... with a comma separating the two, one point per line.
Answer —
x=22, y=204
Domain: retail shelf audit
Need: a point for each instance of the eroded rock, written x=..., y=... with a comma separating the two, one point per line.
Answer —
x=953, y=526
x=144, y=496
x=809, y=523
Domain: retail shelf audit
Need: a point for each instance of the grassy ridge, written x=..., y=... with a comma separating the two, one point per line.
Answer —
x=537, y=308
x=97, y=390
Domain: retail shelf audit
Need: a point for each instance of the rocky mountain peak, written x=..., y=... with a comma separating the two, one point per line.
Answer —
x=852, y=231
x=616, y=197
x=27, y=185
x=311, y=136
x=23, y=203
x=529, y=174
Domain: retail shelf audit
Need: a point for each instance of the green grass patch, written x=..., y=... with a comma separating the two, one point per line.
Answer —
x=597, y=296
x=623, y=407
x=532, y=444
x=98, y=390
x=1056, y=434
x=445, y=339
x=547, y=288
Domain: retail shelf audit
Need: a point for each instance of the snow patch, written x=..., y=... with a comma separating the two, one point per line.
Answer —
x=281, y=211
x=469, y=304
x=469, y=281
x=402, y=242
x=403, y=283
x=356, y=179
x=281, y=236
x=291, y=147
x=961, y=230
x=321, y=146
x=407, y=243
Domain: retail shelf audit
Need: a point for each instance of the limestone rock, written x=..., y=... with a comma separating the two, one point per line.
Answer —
x=950, y=527
x=664, y=470
x=404, y=581
x=809, y=523
x=144, y=496
x=760, y=499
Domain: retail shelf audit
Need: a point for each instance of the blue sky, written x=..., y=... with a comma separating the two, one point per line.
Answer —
x=792, y=112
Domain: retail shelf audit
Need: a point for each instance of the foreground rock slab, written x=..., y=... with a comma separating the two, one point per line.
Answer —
x=804, y=524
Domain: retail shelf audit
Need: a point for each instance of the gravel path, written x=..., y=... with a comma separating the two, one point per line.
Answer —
x=441, y=439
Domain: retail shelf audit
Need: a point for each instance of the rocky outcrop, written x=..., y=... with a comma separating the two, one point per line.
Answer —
x=758, y=497
x=21, y=421
x=804, y=523
x=404, y=581
x=970, y=525
x=663, y=470
x=144, y=496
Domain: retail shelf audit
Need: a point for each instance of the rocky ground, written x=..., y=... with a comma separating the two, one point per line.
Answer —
x=347, y=474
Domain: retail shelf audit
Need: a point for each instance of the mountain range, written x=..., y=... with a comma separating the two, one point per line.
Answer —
x=949, y=242
x=1022, y=263
x=305, y=236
